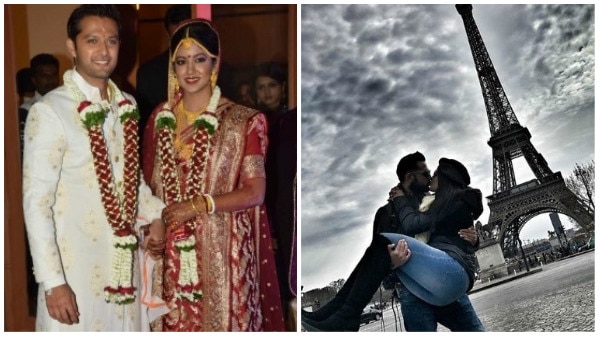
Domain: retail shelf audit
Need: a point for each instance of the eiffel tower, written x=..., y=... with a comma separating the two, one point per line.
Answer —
x=511, y=204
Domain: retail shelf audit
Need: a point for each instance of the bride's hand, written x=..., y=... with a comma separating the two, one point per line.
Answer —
x=178, y=213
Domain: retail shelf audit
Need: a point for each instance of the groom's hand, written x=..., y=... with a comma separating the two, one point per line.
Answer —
x=61, y=304
x=154, y=241
x=399, y=253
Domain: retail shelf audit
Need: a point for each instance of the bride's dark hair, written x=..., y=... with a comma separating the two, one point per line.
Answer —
x=453, y=184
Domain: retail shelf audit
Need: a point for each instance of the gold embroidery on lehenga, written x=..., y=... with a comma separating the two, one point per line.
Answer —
x=253, y=166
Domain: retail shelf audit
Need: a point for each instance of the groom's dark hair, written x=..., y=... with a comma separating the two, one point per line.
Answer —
x=409, y=163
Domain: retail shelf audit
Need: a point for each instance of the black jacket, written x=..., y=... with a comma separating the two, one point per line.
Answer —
x=386, y=217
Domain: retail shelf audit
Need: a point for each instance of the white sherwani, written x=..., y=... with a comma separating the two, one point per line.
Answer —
x=69, y=235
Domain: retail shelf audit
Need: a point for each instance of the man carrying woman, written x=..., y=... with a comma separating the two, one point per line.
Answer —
x=453, y=210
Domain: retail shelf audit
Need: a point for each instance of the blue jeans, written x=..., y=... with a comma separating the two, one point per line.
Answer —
x=419, y=316
x=429, y=273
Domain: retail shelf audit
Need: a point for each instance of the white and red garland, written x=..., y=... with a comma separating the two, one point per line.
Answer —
x=188, y=285
x=119, y=206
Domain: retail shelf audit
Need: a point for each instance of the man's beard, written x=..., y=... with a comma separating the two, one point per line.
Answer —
x=418, y=188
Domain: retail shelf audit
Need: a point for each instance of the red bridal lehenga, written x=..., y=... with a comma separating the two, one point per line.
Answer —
x=235, y=261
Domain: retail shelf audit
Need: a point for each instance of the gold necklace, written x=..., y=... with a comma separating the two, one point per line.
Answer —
x=184, y=119
x=190, y=116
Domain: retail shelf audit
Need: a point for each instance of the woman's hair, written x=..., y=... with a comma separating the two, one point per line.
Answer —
x=200, y=30
x=453, y=182
x=274, y=70
x=447, y=192
x=103, y=11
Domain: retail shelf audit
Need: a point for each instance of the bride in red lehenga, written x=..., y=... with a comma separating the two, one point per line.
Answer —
x=204, y=156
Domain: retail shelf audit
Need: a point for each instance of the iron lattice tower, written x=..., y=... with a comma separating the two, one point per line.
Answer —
x=511, y=204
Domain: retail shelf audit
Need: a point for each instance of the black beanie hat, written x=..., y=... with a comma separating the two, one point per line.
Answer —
x=454, y=170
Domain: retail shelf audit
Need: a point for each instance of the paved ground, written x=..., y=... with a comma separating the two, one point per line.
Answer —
x=556, y=297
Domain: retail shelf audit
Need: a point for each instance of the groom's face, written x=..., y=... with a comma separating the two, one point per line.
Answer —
x=421, y=179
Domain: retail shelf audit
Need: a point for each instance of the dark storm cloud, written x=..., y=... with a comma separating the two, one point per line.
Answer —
x=380, y=81
x=358, y=13
x=399, y=56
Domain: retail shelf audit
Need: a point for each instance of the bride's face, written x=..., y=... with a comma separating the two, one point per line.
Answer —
x=193, y=67
x=433, y=185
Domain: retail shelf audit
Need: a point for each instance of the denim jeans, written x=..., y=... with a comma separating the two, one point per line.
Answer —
x=419, y=316
x=430, y=274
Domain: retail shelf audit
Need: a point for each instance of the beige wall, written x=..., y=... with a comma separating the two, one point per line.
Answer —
x=47, y=32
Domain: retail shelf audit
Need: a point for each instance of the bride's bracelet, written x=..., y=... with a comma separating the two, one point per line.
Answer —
x=194, y=206
x=210, y=203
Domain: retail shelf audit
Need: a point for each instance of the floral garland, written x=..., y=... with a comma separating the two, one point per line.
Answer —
x=188, y=285
x=119, y=208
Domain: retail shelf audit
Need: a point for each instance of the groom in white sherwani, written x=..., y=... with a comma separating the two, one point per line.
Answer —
x=83, y=196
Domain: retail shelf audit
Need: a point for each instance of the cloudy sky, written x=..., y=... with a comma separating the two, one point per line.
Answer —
x=382, y=81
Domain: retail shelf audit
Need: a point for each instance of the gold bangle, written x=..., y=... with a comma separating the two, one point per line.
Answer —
x=206, y=203
x=193, y=206
x=210, y=204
